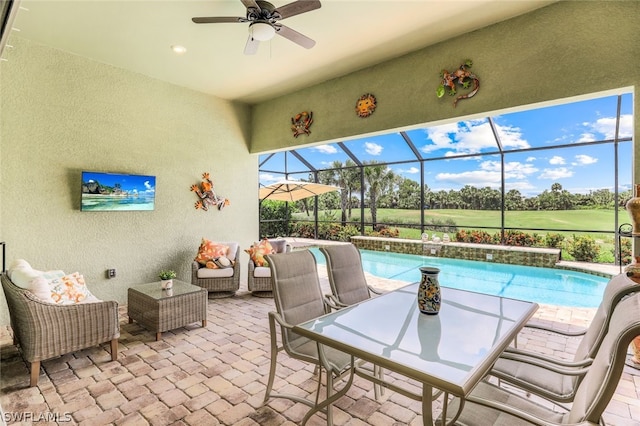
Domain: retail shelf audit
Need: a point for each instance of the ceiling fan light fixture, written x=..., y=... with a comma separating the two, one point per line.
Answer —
x=261, y=31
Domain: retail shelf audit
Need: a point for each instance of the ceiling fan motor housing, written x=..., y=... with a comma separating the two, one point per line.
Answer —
x=267, y=13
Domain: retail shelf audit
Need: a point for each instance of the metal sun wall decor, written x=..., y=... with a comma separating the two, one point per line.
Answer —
x=207, y=197
x=366, y=105
x=301, y=122
x=461, y=76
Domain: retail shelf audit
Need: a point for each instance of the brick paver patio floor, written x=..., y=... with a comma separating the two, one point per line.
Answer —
x=216, y=376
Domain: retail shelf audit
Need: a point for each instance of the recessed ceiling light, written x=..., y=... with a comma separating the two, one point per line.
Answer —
x=178, y=49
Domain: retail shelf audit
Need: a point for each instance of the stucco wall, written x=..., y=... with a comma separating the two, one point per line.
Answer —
x=62, y=114
x=563, y=50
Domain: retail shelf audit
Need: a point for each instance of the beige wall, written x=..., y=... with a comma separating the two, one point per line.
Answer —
x=564, y=50
x=62, y=114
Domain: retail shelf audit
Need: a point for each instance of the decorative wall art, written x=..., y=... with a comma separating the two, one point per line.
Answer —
x=366, y=105
x=207, y=197
x=301, y=122
x=461, y=76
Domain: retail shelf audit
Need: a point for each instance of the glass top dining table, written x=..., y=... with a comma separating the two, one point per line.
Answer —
x=450, y=351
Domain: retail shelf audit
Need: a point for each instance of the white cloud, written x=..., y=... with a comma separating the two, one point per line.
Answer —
x=557, y=173
x=583, y=160
x=325, y=149
x=373, y=148
x=530, y=159
x=268, y=177
x=586, y=137
x=478, y=178
x=606, y=126
x=489, y=174
x=556, y=160
x=410, y=171
x=471, y=137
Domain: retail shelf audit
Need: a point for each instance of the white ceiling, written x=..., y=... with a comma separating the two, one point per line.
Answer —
x=349, y=34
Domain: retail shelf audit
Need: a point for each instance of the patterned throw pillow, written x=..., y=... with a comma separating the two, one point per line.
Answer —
x=69, y=289
x=210, y=250
x=258, y=250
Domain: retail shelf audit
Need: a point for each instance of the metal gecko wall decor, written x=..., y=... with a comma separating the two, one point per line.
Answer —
x=461, y=76
x=207, y=197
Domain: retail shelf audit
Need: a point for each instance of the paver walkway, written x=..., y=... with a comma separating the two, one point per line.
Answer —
x=216, y=376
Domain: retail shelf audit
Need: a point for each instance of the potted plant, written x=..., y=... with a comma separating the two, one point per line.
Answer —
x=166, y=278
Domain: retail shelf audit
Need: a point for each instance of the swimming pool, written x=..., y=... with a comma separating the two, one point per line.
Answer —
x=542, y=285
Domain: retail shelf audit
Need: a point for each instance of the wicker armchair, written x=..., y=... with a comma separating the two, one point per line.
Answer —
x=45, y=330
x=259, y=277
x=219, y=282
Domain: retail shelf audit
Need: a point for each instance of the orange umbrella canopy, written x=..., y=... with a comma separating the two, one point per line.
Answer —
x=294, y=190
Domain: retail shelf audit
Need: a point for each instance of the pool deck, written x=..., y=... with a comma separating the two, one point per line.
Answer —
x=216, y=375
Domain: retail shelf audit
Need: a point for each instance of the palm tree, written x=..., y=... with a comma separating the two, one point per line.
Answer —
x=338, y=176
x=352, y=181
x=378, y=177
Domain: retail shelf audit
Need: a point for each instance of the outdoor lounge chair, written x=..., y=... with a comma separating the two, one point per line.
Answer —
x=46, y=330
x=259, y=277
x=223, y=282
x=298, y=298
x=492, y=405
x=558, y=379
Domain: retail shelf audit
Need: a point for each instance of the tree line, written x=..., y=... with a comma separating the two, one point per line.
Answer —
x=385, y=189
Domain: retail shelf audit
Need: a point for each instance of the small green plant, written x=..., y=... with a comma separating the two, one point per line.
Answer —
x=167, y=274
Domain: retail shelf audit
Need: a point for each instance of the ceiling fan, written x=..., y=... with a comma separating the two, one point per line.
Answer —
x=263, y=20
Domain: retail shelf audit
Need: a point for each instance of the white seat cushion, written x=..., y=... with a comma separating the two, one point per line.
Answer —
x=215, y=273
x=262, y=272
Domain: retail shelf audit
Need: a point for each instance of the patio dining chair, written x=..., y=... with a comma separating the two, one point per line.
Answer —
x=348, y=285
x=346, y=275
x=492, y=405
x=298, y=298
x=554, y=378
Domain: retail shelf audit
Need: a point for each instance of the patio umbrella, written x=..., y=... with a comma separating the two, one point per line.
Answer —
x=293, y=190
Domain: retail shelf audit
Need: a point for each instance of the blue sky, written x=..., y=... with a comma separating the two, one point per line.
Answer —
x=577, y=169
x=130, y=183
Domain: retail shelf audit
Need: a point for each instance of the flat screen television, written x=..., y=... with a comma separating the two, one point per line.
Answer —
x=117, y=192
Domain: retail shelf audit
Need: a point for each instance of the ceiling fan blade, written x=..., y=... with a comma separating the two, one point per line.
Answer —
x=216, y=19
x=295, y=37
x=250, y=3
x=298, y=7
x=252, y=46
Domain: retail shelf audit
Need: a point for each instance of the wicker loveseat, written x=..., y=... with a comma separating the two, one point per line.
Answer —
x=219, y=282
x=46, y=330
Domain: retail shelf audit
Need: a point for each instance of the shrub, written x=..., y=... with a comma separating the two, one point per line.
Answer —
x=584, y=248
x=474, y=236
x=553, y=240
x=626, y=254
x=384, y=231
x=521, y=239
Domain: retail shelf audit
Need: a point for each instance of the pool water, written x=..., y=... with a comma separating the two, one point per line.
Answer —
x=541, y=285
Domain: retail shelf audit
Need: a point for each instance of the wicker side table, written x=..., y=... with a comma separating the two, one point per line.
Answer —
x=161, y=310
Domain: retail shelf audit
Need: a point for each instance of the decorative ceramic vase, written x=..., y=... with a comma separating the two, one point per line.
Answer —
x=633, y=208
x=166, y=284
x=429, y=291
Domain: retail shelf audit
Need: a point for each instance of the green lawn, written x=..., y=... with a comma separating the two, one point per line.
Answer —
x=583, y=220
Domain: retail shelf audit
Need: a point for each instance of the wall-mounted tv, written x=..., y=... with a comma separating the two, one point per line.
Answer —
x=116, y=191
